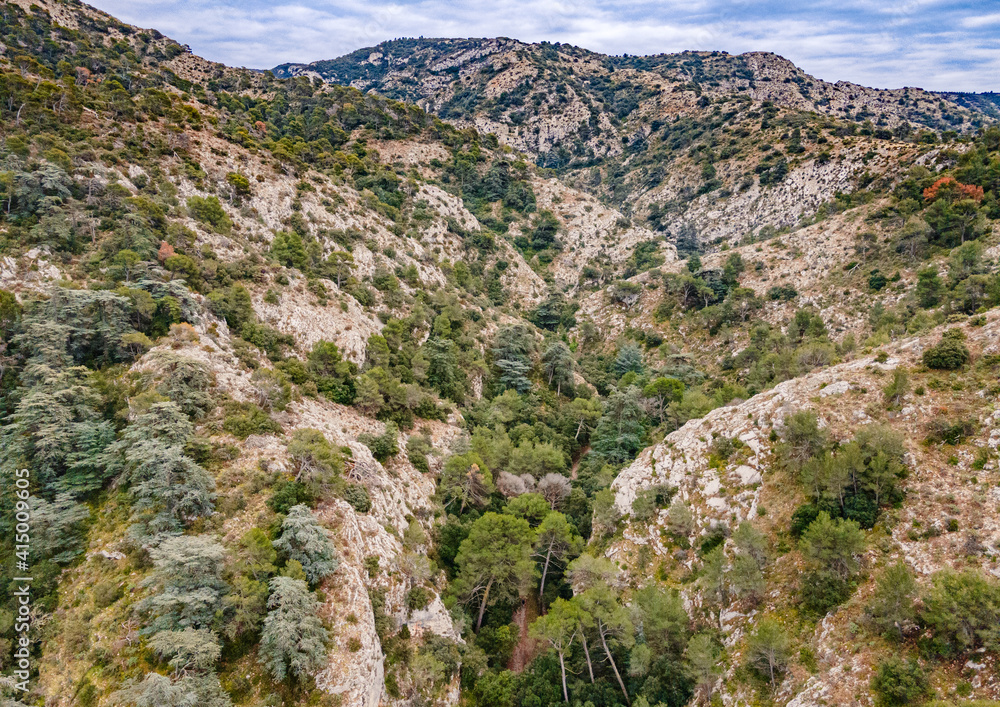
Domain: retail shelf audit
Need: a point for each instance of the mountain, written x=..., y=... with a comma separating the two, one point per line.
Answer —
x=698, y=145
x=325, y=394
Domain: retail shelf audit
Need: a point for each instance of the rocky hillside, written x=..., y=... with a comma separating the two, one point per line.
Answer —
x=699, y=145
x=337, y=395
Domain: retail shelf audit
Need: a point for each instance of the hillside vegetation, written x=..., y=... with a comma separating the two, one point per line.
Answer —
x=377, y=394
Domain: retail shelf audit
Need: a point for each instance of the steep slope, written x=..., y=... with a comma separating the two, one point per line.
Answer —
x=948, y=519
x=327, y=401
x=682, y=141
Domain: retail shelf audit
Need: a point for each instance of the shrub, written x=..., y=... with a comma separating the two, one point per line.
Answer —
x=289, y=493
x=417, y=599
x=245, y=419
x=962, y=610
x=358, y=497
x=802, y=518
x=899, y=682
x=209, y=211
x=782, y=292
x=949, y=354
x=384, y=445
x=941, y=429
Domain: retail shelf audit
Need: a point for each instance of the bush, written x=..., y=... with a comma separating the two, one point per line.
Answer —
x=822, y=590
x=358, y=497
x=962, y=610
x=899, y=682
x=802, y=518
x=245, y=419
x=289, y=493
x=417, y=449
x=949, y=354
x=384, y=445
x=417, y=599
x=209, y=211
x=782, y=292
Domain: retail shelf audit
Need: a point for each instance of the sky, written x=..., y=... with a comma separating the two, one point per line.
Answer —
x=943, y=45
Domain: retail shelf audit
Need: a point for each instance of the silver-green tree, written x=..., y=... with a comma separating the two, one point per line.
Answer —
x=293, y=642
x=307, y=542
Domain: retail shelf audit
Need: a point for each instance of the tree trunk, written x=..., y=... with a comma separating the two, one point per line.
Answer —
x=545, y=571
x=562, y=667
x=607, y=652
x=586, y=652
x=482, y=607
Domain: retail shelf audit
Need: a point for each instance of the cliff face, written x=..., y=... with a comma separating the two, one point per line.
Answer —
x=947, y=514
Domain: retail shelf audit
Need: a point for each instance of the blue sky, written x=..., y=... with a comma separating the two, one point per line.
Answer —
x=934, y=44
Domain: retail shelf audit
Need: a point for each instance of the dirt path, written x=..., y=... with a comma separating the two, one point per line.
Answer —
x=527, y=648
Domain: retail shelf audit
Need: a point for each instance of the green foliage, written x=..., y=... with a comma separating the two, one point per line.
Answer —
x=293, y=642
x=209, y=211
x=493, y=561
x=334, y=377
x=384, y=445
x=949, y=354
x=890, y=609
x=305, y=541
x=512, y=349
x=897, y=682
x=245, y=419
x=962, y=610
x=768, y=650
x=465, y=480
x=620, y=434
x=167, y=487
x=289, y=493
x=832, y=548
x=186, y=583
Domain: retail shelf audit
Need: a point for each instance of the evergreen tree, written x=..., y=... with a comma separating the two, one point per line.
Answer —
x=494, y=561
x=186, y=581
x=307, y=542
x=466, y=481
x=768, y=650
x=629, y=359
x=293, y=642
x=555, y=542
x=620, y=433
x=559, y=627
x=610, y=622
x=168, y=488
x=557, y=364
x=512, y=350
x=56, y=428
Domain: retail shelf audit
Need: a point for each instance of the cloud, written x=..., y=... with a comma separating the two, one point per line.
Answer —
x=976, y=21
x=935, y=44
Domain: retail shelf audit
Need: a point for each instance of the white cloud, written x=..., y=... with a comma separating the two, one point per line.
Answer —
x=976, y=21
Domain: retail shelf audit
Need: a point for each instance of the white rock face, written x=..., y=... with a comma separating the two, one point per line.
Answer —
x=936, y=492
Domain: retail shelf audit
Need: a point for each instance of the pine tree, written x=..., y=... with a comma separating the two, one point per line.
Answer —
x=168, y=488
x=555, y=542
x=559, y=627
x=186, y=581
x=307, y=542
x=293, y=642
x=494, y=561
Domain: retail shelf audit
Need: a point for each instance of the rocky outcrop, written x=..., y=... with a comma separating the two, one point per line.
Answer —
x=845, y=397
